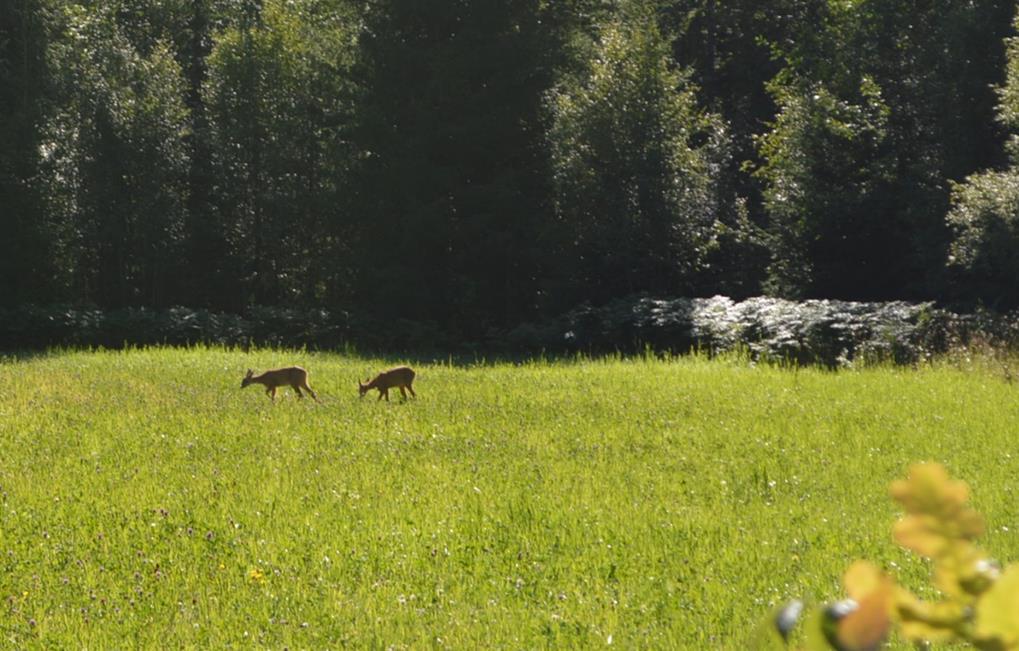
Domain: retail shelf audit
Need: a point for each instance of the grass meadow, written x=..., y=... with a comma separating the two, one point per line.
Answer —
x=147, y=501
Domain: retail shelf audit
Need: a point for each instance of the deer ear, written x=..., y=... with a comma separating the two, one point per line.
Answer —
x=250, y=373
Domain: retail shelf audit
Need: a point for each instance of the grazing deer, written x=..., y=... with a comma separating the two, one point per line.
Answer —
x=400, y=377
x=295, y=376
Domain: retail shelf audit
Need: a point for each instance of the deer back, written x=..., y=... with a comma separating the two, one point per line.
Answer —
x=399, y=376
x=282, y=376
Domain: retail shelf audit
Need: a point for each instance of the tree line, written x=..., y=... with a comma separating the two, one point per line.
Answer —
x=481, y=163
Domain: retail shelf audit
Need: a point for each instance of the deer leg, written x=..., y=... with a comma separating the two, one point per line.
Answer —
x=271, y=392
x=411, y=389
x=403, y=393
x=297, y=389
x=308, y=389
x=385, y=392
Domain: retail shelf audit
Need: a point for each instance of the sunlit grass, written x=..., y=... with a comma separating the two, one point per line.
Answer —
x=146, y=500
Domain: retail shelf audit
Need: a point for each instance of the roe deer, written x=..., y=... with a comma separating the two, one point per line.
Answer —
x=295, y=376
x=400, y=377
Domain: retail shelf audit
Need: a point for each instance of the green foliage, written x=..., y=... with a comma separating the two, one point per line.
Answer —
x=478, y=165
x=876, y=112
x=730, y=50
x=984, y=219
x=28, y=328
x=828, y=169
x=114, y=163
x=636, y=165
x=26, y=251
x=278, y=104
x=452, y=183
x=1008, y=93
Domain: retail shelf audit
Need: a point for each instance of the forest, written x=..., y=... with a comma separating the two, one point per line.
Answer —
x=476, y=164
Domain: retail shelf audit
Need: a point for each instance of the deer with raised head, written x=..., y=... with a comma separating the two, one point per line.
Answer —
x=400, y=377
x=294, y=376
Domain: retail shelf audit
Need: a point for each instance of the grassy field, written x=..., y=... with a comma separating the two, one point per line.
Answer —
x=147, y=501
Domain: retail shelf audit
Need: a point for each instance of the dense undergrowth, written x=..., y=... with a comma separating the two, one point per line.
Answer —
x=830, y=333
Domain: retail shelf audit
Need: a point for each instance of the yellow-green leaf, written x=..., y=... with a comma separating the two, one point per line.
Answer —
x=866, y=627
x=962, y=572
x=920, y=533
x=925, y=621
x=938, y=517
x=861, y=579
x=997, y=618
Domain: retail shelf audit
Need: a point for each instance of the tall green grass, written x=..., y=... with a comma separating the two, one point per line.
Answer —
x=146, y=500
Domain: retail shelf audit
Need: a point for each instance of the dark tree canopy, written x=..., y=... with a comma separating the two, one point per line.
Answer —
x=476, y=164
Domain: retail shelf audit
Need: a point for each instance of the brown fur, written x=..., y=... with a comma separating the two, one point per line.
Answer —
x=400, y=377
x=294, y=376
